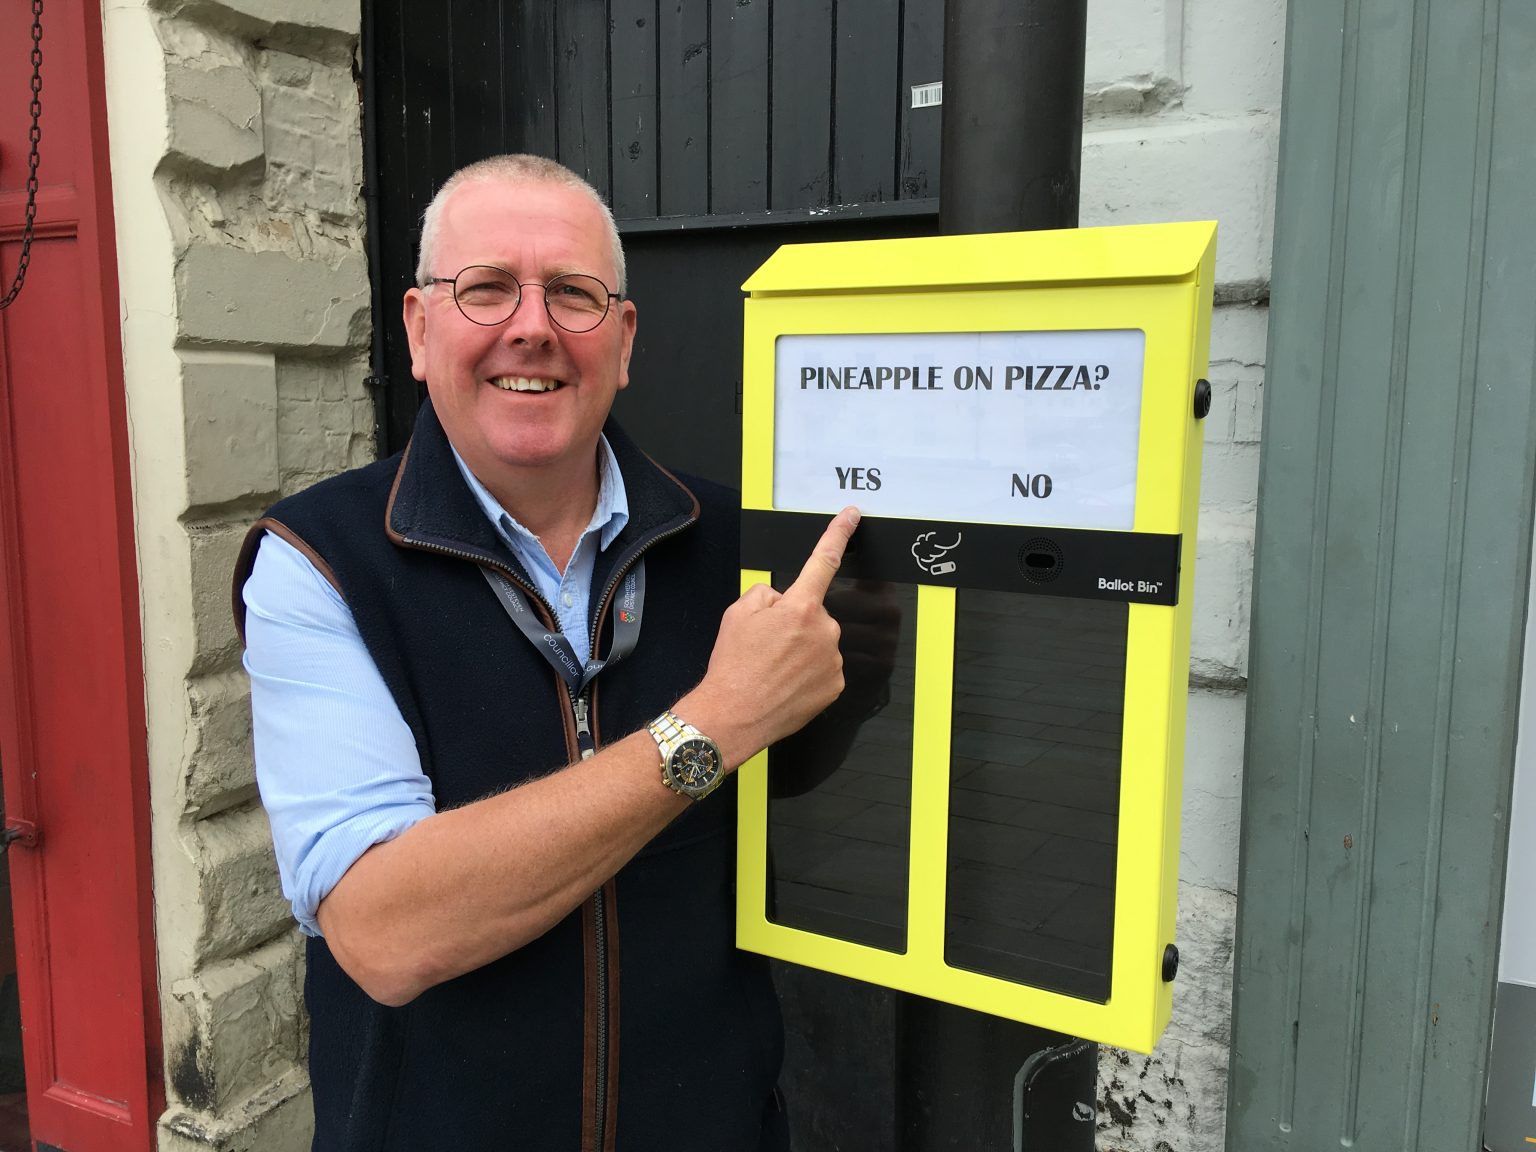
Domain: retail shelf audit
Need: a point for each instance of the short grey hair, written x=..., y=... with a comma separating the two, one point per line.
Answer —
x=511, y=168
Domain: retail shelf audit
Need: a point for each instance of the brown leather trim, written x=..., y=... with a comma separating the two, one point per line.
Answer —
x=694, y=515
x=610, y=898
x=567, y=717
x=589, y=1135
x=247, y=560
x=243, y=565
x=278, y=528
x=389, y=505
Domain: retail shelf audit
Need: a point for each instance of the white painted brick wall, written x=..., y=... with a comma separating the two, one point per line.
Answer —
x=1183, y=101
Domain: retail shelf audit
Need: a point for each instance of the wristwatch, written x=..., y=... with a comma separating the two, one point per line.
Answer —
x=690, y=761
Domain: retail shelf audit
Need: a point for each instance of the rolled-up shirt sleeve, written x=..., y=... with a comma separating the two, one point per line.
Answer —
x=336, y=763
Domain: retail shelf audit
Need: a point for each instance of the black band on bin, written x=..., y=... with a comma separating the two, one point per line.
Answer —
x=1091, y=564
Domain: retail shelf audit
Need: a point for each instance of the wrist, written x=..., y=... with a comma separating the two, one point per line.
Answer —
x=721, y=725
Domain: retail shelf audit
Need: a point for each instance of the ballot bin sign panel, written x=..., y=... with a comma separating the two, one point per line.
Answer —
x=1020, y=427
x=1115, y=289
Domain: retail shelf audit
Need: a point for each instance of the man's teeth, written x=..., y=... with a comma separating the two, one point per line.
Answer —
x=525, y=383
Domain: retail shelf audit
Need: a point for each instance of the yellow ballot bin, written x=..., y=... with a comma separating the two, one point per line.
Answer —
x=990, y=816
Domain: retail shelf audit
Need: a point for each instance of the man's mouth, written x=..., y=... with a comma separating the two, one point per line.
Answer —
x=525, y=383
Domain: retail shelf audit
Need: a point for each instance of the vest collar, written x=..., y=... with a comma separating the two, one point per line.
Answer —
x=430, y=507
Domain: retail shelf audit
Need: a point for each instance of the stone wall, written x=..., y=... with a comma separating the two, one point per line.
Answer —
x=1183, y=103
x=237, y=165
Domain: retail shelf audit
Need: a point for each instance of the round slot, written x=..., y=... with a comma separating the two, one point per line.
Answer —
x=1040, y=560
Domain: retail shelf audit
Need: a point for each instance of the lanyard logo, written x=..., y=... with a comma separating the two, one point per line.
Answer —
x=629, y=599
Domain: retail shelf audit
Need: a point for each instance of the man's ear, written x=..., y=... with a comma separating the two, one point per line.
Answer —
x=414, y=312
x=627, y=323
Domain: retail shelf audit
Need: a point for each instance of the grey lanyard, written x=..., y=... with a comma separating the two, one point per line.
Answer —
x=555, y=647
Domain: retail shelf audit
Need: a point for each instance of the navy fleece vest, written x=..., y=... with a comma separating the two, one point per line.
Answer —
x=504, y=1058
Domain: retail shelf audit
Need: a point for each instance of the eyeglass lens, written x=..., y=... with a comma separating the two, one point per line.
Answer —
x=489, y=295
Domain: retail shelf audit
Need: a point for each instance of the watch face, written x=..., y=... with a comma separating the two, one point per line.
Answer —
x=695, y=763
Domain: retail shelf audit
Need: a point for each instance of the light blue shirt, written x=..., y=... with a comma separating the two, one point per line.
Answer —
x=336, y=763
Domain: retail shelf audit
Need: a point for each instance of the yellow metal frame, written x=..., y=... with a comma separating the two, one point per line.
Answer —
x=1157, y=278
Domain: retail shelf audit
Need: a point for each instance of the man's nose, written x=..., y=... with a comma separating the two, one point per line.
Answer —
x=530, y=322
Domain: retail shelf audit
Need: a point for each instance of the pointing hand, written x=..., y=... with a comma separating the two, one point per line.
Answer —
x=776, y=662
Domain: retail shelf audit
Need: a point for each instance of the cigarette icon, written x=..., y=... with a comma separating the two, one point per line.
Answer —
x=927, y=554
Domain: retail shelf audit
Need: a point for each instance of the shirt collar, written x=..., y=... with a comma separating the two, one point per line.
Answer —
x=608, y=517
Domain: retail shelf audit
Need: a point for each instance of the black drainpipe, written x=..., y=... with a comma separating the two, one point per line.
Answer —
x=1013, y=115
x=1010, y=157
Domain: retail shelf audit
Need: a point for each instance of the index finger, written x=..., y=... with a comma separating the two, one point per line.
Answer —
x=825, y=559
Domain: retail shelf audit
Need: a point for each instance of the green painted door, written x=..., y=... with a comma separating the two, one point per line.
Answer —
x=1391, y=576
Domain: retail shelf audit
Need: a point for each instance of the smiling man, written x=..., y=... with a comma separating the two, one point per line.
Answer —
x=497, y=682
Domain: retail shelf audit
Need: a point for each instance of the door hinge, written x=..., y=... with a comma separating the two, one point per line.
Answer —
x=23, y=832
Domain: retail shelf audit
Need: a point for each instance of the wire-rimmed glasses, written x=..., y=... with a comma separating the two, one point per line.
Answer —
x=489, y=295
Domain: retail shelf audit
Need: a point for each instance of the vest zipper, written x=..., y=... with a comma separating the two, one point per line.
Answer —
x=600, y=919
x=584, y=740
x=481, y=559
x=587, y=745
x=618, y=575
x=579, y=707
x=600, y=940
x=580, y=711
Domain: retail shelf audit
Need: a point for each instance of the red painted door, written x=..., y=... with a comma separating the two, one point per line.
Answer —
x=72, y=741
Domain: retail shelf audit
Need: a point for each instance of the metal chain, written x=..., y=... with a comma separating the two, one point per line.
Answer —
x=35, y=135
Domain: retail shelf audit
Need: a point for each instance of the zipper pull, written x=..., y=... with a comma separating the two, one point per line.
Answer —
x=584, y=739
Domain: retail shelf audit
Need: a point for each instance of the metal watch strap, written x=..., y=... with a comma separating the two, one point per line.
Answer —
x=670, y=732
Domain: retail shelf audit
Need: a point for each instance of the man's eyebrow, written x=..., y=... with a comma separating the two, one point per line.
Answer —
x=552, y=270
x=572, y=270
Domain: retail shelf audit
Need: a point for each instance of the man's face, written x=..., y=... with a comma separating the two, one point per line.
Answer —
x=536, y=232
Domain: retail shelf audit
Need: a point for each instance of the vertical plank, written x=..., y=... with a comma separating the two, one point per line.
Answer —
x=1268, y=960
x=739, y=76
x=1358, y=525
x=399, y=181
x=1446, y=163
x=802, y=105
x=477, y=103
x=428, y=135
x=389, y=111
x=529, y=60
x=864, y=108
x=581, y=91
x=683, y=79
x=426, y=64
x=1498, y=374
x=922, y=62
x=632, y=48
